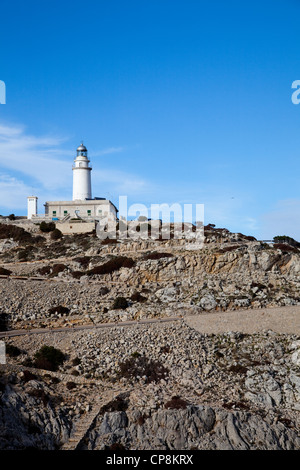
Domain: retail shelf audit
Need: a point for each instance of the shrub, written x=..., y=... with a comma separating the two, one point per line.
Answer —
x=13, y=351
x=77, y=274
x=238, y=369
x=57, y=268
x=5, y=272
x=140, y=366
x=27, y=362
x=76, y=361
x=286, y=239
x=39, y=239
x=120, y=303
x=118, y=404
x=18, y=234
x=45, y=270
x=56, y=234
x=26, y=253
x=4, y=321
x=137, y=297
x=70, y=385
x=83, y=261
x=285, y=248
x=109, y=241
x=48, y=358
x=112, y=265
x=176, y=403
x=47, y=226
x=58, y=309
x=27, y=376
x=38, y=393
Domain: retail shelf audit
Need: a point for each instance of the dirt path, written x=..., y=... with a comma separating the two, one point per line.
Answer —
x=277, y=319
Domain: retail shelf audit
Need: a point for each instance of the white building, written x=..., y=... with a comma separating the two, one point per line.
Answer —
x=82, y=207
x=31, y=206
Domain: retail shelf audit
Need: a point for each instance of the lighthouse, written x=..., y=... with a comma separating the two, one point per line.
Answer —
x=82, y=186
x=85, y=210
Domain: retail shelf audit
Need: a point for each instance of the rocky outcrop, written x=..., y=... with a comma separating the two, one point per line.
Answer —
x=193, y=428
x=30, y=420
x=185, y=389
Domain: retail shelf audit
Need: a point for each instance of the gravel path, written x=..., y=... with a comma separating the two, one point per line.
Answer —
x=277, y=319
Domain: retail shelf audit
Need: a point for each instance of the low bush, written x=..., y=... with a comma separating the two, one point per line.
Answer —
x=58, y=309
x=120, y=303
x=26, y=253
x=141, y=366
x=56, y=234
x=70, y=385
x=285, y=239
x=109, y=241
x=18, y=234
x=176, y=403
x=39, y=393
x=238, y=369
x=286, y=248
x=44, y=270
x=137, y=297
x=77, y=274
x=27, y=376
x=5, y=272
x=58, y=268
x=48, y=358
x=12, y=351
x=83, y=261
x=118, y=404
x=4, y=321
x=47, y=227
x=112, y=265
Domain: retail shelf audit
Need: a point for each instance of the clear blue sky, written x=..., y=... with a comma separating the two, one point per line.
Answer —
x=177, y=101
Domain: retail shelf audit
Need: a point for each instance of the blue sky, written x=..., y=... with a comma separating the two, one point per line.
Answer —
x=177, y=102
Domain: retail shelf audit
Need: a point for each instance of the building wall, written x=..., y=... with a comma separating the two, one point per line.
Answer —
x=67, y=228
x=31, y=206
x=84, y=209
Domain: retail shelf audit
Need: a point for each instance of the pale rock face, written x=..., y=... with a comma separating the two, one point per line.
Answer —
x=208, y=302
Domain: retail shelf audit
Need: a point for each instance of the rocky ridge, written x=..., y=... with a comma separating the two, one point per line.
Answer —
x=172, y=387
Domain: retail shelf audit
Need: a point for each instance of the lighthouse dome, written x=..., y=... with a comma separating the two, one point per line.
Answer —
x=82, y=148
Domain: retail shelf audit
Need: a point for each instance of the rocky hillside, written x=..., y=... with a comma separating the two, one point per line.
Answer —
x=161, y=386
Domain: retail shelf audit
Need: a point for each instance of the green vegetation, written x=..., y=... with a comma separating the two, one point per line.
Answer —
x=176, y=403
x=56, y=234
x=112, y=265
x=286, y=239
x=5, y=272
x=12, y=351
x=120, y=303
x=48, y=358
x=18, y=234
x=141, y=366
x=47, y=226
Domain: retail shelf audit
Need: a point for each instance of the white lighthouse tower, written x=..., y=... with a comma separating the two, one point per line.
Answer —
x=82, y=186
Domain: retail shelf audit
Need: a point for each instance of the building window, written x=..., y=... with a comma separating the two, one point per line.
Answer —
x=54, y=213
x=99, y=212
x=65, y=212
x=89, y=213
